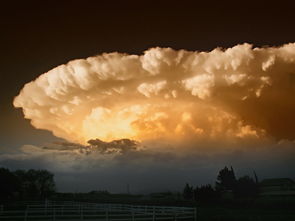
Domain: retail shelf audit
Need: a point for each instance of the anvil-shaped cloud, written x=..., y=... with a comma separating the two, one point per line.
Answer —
x=193, y=113
x=224, y=94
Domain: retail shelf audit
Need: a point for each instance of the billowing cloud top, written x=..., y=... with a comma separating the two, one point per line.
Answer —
x=222, y=94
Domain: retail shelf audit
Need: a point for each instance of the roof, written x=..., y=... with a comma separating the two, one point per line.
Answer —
x=277, y=182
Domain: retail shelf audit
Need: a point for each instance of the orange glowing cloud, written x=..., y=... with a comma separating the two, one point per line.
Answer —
x=222, y=94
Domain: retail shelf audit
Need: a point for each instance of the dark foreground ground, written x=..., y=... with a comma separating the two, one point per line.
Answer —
x=259, y=209
x=244, y=214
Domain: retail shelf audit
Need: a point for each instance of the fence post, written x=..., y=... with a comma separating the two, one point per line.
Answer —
x=132, y=214
x=195, y=214
x=26, y=213
x=81, y=212
x=154, y=213
x=45, y=205
x=107, y=214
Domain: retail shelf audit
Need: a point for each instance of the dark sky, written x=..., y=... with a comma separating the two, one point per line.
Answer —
x=39, y=35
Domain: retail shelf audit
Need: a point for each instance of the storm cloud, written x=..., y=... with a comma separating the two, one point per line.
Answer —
x=225, y=94
x=163, y=118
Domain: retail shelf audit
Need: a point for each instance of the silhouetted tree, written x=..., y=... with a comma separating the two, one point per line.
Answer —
x=36, y=184
x=20, y=174
x=188, y=192
x=246, y=187
x=256, y=178
x=226, y=179
x=205, y=193
x=45, y=183
x=9, y=185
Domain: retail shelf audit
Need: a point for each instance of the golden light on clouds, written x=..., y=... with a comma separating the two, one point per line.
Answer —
x=164, y=93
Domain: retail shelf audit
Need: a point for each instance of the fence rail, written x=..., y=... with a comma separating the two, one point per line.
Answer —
x=72, y=211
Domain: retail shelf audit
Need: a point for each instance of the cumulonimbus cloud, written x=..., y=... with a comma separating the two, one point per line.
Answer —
x=173, y=94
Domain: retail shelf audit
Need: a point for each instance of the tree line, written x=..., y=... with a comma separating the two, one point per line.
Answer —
x=26, y=184
x=227, y=186
x=39, y=184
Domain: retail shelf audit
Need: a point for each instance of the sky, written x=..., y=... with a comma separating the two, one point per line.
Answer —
x=189, y=86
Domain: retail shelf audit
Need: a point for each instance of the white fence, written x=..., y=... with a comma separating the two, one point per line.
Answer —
x=92, y=211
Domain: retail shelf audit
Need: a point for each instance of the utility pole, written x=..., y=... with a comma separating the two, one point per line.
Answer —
x=255, y=176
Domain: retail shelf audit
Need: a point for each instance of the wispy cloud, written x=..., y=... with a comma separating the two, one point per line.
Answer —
x=155, y=168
